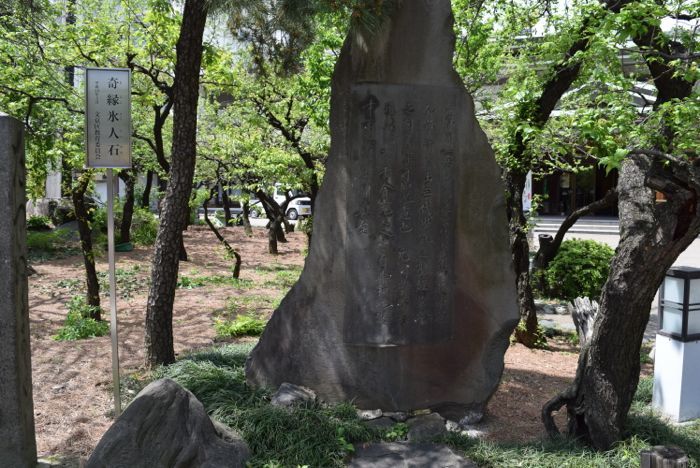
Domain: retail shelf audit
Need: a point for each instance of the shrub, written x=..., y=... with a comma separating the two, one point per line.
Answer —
x=48, y=242
x=79, y=324
x=144, y=224
x=242, y=325
x=39, y=223
x=144, y=227
x=579, y=269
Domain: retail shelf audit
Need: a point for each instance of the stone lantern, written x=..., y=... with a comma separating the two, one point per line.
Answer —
x=677, y=356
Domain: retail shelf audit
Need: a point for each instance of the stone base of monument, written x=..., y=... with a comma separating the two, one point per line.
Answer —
x=166, y=426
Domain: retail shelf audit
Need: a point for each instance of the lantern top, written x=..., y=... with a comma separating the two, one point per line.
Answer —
x=684, y=272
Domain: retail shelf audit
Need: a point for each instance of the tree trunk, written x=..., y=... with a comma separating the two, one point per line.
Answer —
x=275, y=215
x=651, y=235
x=520, y=252
x=272, y=239
x=81, y=214
x=226, y=201
x=129, y=179
x=246, y=219
x=548, y=249
x=231, y=251
x=175, y=211
x=146, y=198
x=279, y=229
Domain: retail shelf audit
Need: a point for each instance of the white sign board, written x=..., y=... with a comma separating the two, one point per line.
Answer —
x=527, y=193
x=108, y=117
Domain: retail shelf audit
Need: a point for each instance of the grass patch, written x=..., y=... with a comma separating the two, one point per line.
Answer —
x=284, y=279
x=314, y=435
x=46, y=245
x=246, y=304
x=128, y=281
x=275, y=267
x=192, y=282
x=73, y=285
x=78, y=324
x=242, y=325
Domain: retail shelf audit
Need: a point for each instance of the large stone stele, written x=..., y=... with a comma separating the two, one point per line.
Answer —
x=166, y=426
x=408, y=295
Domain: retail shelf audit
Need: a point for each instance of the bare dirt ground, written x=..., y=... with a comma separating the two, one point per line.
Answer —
x=72, y=380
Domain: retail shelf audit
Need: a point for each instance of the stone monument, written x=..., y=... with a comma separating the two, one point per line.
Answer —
x=17, y=440
x=408, y=298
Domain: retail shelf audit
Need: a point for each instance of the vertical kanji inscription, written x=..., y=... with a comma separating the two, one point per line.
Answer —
x=402, y=204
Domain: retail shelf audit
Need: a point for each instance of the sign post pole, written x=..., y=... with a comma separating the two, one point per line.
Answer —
x=108, y=146
x=113, y=293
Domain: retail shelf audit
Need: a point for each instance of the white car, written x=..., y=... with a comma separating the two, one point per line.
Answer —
x=297, y=208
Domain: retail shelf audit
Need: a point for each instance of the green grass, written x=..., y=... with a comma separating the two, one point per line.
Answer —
x=251, y=303
x=319, y=435
x=644, y=429
x=314, y=435
x=242, y=325
x=284, y=279
x=73, y=285
x=46, y=245
x=128, y=281
x=192, y=282
x=78, y=324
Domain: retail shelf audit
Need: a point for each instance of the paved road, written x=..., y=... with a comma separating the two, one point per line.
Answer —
x=606, y=230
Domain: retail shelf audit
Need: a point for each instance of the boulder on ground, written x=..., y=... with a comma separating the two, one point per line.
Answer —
x=166, y=426
x=290, y=395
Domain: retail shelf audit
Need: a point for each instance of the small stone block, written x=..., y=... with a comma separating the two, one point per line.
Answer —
x=664, y=457
x=380, y=424
x=368, y=415
x=426, y=427
x=289, y=394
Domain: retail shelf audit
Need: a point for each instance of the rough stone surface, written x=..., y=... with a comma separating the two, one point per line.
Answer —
x=167, y=426
x=397, y=416
x=17, y=439
x=381, y=424
x=471, y=417
x=290, y=394
x=408, y=296
x=404, y=455
x=426, y=427
x=367, y=415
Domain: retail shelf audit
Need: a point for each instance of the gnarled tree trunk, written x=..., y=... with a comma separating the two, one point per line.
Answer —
x=652, y=235
x=175, y=211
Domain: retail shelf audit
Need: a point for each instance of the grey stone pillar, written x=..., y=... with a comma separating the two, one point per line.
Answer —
x=17, y=441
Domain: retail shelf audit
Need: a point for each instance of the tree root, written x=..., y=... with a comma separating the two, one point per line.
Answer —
x=570, y=399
